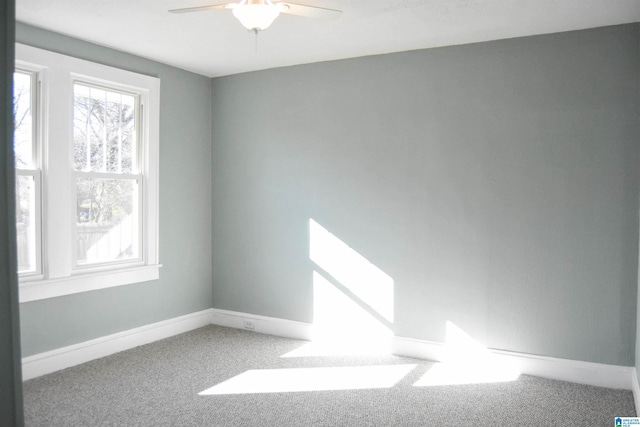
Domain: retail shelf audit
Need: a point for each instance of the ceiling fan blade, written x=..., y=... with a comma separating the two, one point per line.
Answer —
x=309, y=11
x=202, y=8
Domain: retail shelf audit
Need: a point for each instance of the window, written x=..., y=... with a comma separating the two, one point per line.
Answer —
x=28, y=182
x=107, y=178
x=86, y=146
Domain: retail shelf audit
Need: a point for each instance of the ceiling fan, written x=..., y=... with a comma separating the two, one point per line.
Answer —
x=257, y=15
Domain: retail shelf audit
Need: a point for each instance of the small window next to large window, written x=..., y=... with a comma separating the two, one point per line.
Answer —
x=86, y=150
x=27, y=172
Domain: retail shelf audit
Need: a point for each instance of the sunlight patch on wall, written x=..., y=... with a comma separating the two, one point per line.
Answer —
x=341, y=326
x=353, y=300
x=465, y=361
x=366, y=281
x=312, y=379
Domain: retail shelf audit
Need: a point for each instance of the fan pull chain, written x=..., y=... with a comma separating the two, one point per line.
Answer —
x=256, y=31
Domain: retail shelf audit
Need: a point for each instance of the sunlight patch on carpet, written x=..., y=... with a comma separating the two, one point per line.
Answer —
x=465, y=361
x=312, y=379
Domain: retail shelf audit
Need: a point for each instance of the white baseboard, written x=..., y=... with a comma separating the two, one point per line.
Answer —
x=597, y=374
x=263, y=324
x=636, y=389
x=65, y=357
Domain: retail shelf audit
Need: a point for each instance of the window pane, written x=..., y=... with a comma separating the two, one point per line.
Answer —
x=104, y=130
x=26, y=218
x=23, y=120
x=107, y=220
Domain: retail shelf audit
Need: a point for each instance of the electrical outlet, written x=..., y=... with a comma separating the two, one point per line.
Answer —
x=248, y=324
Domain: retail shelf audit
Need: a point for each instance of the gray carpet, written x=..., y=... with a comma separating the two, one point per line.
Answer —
x=159, y=385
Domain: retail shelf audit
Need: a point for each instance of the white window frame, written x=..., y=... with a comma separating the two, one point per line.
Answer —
x=136, y=175
x=59, y=274
x=36, y=171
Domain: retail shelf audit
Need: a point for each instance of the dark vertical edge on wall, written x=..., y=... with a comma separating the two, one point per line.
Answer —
x=11, y=413
x=637, y=335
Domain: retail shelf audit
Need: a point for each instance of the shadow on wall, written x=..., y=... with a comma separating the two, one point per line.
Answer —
x=353, y=300
x=354, y=315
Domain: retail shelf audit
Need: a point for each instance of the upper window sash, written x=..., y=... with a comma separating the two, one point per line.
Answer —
x=26, y=117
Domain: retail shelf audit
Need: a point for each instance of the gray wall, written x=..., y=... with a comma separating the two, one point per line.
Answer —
x=185, y=214
x=10, y=371
x=496, y=183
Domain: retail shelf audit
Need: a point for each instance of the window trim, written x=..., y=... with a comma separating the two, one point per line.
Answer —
x=59, y=273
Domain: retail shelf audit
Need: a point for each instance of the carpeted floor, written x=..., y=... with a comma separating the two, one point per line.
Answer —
x=161, y=384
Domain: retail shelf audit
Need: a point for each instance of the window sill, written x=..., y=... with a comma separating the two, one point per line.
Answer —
x=50, y=288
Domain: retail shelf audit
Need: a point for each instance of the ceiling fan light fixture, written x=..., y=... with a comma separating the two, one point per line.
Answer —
x=256, y=15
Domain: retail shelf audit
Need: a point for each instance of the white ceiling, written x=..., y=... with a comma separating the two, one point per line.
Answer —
x=213, y=43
